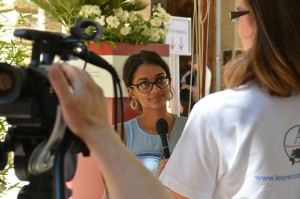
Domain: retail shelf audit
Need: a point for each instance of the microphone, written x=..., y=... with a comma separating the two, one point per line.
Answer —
x=162, y=129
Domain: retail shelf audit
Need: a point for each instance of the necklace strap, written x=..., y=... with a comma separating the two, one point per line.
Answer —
x=171, y=127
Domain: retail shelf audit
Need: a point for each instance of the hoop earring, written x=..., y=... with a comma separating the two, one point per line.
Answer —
x=134, y=105
x=170, y=95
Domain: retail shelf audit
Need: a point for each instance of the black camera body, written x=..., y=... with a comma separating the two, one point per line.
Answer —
x=30, y=101
x=30, y=106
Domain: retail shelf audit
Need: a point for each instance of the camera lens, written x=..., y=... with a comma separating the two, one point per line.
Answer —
x=11, y=79
x=6, y=83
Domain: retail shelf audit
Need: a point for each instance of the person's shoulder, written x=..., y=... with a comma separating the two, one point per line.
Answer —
x=243, y=96
x=131, y=121
x=181, y=120
x=236, y=93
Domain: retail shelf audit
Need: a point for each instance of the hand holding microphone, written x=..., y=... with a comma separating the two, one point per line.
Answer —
x=162, y=129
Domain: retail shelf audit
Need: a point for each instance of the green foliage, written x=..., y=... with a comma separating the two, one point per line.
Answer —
x=133, y=6
x=14, y=53
x=2, y=128
x=66, y=11
x=4, y=185
x=61, y=10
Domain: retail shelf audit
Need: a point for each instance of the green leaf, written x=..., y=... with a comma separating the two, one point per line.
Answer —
x=114, y=3
x=136, y=5
x=94, y=2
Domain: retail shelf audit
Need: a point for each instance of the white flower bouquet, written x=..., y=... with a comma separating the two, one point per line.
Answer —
x=121, y=20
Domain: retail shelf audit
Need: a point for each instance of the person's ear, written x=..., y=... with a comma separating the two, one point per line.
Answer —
x=131, y=92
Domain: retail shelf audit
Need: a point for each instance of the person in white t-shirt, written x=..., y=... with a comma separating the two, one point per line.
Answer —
x=244, y=142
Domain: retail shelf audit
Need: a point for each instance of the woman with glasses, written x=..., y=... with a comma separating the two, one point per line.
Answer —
x=244, y=142
x=148, y=79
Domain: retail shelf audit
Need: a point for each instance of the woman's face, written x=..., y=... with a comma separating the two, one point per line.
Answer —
x=157, y=97
x=246, y=25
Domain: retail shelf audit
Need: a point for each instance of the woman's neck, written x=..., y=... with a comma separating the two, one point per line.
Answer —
x=147, y=121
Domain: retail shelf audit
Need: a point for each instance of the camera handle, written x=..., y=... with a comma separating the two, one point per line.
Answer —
x=46, y=165
x=42, y=158
x=50, y=155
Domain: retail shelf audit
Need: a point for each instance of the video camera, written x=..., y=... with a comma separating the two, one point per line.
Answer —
x=42, y=144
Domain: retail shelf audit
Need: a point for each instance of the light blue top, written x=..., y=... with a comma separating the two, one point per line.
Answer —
x=148, y=147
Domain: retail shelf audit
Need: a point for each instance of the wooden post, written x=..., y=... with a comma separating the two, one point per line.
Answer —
x=211, y=47
x=207, y=42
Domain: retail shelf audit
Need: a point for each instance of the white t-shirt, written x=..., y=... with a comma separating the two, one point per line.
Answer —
x=240, y=143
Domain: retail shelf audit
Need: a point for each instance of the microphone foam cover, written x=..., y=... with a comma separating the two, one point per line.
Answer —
x=162, y=126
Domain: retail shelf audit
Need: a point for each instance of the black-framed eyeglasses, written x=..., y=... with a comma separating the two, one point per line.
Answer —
x=146, y=86
x=235, y=15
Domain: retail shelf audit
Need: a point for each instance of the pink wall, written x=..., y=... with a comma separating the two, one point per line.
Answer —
x=87, y=182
